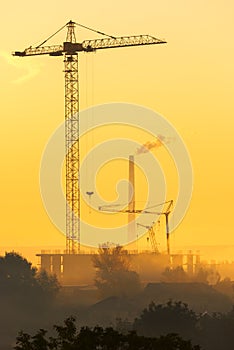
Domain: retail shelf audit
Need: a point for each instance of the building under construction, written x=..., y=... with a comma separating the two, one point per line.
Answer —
x=69, y=268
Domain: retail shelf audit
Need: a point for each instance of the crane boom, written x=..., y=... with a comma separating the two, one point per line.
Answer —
x=69, y=50
x=90, y=45
x=124, y=41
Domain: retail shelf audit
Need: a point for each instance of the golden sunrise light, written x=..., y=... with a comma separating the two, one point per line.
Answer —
x=116, y=175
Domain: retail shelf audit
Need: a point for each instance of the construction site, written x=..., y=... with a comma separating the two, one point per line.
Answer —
x=68, y=265
x=149, y=263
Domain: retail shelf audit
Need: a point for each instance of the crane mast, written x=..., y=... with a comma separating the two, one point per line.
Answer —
x=69, y=50
x=72, y=145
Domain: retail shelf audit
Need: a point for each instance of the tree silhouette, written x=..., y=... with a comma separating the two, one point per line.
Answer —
x=226, y=286
x=207, y=275
x=113, y=274
x=16, y=273
x=216, y=331
x=172, y=317
x=203, y=275
x=48, y=283
x=37, y=342
x=69, y=338
x=175, y=275
x=22, y=286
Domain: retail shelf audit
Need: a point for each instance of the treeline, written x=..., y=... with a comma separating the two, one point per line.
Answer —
x=170, y=326
x=28, y=301
x=68, y=337
x=212, y=331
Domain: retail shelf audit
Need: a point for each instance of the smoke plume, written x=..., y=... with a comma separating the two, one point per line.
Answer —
x=146, y=147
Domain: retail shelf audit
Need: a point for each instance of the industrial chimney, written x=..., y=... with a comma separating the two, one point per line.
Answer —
x=131, y=201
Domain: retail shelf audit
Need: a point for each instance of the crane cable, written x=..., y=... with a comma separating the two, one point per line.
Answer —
x=157, y=205
x=147, y=208
x=51, y=36
x=89, y=139
x=94, y=30
x=78, y=24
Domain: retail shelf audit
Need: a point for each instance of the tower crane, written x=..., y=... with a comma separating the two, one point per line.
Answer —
x=69, y=50
x=112, y=209
x=151, y=237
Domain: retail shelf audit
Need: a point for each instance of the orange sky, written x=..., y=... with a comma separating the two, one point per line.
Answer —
x=189, y=81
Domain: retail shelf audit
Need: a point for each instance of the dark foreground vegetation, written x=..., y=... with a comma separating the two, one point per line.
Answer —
x=32, y=301
x=69, y=338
